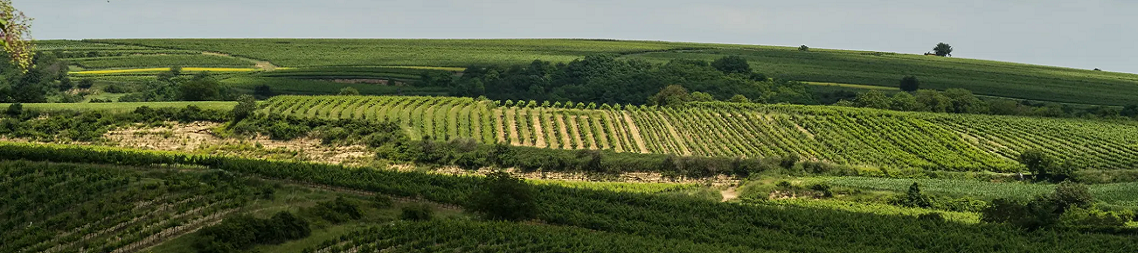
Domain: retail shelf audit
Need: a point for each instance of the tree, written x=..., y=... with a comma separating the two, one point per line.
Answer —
x=501, y=196
x=732, y=64
x=963, y=101
x=701, y=97
x=1070, y=194
x=1040, y=164
x=86, y=83
x=943, y=49
x=903, y=101
x=803, y=48
x=200, y=88
x=738, y=98
x=672, y=95
x=873, y=99
x=910, y=83
x=933, y=101
x=15, y=36
x=15, y=109
x=245, y=107
x=349, y=91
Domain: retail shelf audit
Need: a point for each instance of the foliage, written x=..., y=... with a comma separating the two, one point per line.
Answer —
x=15, y=110
x=803, y=48
x=503, y=197
x=697, y=221
x=200, y=88
x=349, y=91
x=910, y=83
x=239, y=233
x=15, y=35
x=732, y=65
x=943, y=49
x=245, y=107
x=417, y=213
x=672, y=95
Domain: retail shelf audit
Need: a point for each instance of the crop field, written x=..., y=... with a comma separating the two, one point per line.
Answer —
x=1117, y=194
x=124, y=107
x=859, y=68
x=841, y=135
x=74, y=208
x=135, y=61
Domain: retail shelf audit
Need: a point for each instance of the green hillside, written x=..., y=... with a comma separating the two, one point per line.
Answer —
x=851, y=136
x=570, y=220
x=817, y=65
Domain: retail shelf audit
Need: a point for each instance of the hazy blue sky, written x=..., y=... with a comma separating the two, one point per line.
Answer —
x=1080, y=34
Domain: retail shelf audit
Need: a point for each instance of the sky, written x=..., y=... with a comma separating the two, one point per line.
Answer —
x=1082, y=34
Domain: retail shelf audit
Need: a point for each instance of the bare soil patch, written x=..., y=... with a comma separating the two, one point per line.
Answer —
x=199, y=138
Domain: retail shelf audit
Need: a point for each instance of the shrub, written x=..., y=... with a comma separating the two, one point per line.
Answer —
x=419, y=212
x=349, y=91
x=86, y=83
x=15, y=109
x=382, y=201
x=803, y=48
x=245, y=107
x=501, y=196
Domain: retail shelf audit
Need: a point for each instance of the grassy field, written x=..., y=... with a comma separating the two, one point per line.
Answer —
x=879, y=69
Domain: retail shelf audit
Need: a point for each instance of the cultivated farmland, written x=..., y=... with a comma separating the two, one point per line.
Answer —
x=839, y=135
x=881, y=69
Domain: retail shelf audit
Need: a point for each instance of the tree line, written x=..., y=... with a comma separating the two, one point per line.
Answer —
x=606, y=79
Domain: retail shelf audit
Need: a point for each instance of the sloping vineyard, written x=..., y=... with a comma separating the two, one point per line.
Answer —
x=85, y=208
x=469, y=236
x=840, y=135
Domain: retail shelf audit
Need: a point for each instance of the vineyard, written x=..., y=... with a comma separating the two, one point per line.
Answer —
x=85, y=208
x=467, y=236
x=588, y=220
x=850, y=136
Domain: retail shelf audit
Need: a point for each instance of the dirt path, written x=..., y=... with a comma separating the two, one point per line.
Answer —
x=729, y=194
x=634, y=131
x=565, y=138
x=538, y=130
x=264, y=65
x=198, y=138
x=512, y=124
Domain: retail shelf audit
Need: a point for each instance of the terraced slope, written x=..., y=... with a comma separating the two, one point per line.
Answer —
x=850, y=136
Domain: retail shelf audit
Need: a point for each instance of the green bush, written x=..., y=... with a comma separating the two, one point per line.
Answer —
x=420, y=212
x=501, y=196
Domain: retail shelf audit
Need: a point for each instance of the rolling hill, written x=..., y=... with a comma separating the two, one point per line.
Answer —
x=882, y=69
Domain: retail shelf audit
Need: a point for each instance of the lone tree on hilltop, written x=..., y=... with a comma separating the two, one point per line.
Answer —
x=943, y=49
x=910, y=83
